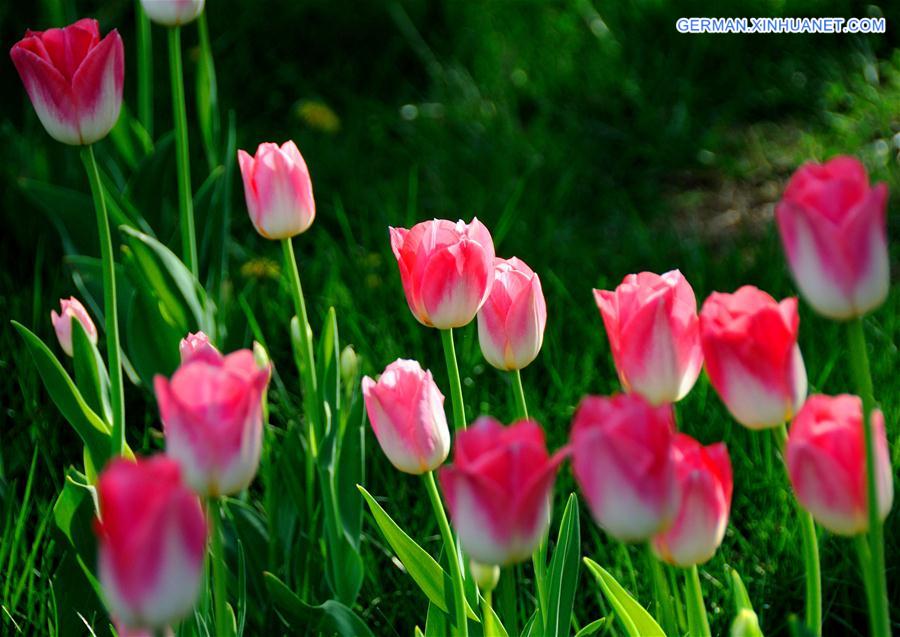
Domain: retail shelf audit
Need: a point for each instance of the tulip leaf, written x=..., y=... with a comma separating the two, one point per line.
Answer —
x=425, y=571
x=534, y=626
x=329, y=372
x=436, y=621
x=74, y=512
x=151, y=341
x=332, y=617
x=91, y=376
x=591, y=628
x=635, y=619
x=739, y=592
x=564, y=568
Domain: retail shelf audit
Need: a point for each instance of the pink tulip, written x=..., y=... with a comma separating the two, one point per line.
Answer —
x=623, y=461
x=173, y=13
x=194, y=344
x=406, y=410
x=447, y=270
x=834, y=230
x=278, y=190
x=511, y=322
x=499, y=489
x=211, y=411
x=752, y=358
x=653, y=329
x=71, y=308
x=826, y=461
x=152, y=537
x=74, y=79
x=704, y=475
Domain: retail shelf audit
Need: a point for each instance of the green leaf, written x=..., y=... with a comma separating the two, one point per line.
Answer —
x=91, y=376
x=329, y=356
x=564, y=572
x=591, y=628
x=636, y=621
x=332, y=616
x=152, y=343
x=73, y=513
x=739, y=592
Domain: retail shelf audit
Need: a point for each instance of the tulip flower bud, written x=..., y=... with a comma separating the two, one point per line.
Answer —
x=499, y=489
x=654, y=334
x=750, y=346
x=406, y=410
x=833, y=226
x=193, y=344
x=211, y=412
x=447, y=270
x=278, y=190
x=746, y=624
x=152, y=541
x=173, y=13
x=486, y=576
x=74, y=79
x=511, y=322
x=705, y=479
x=623, y=460
x=71, y=308
x=349, y=365
x=826, y=461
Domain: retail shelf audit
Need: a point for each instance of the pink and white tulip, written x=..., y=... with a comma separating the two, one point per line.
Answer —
x=826, y=461
x=511, y=322
x=212, y=416
x=654, y=334
x=623, y=460
x=704, y=475
x=152, y=541
x=447, y=270
x=173, y=13
x=754, y=363
x=74, y=79
x=194, y=344
x=833, y=226
x=499, y=489
x=278, y=190
x=406, y=410
x=71, y=309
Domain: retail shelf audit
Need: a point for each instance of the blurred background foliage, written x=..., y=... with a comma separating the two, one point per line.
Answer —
x=591, y=137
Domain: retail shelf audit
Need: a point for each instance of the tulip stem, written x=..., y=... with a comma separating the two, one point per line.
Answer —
x=698, y=624
x=459, y=599
x=519, y=391
x=487, y=615
x=182, y=154
x=665, y=609
x=110, y=309
x=217, y=555
x=145, y=68
x=459, y=410
x=859, y=362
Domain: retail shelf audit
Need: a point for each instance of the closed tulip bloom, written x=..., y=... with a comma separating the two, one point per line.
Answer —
x=623, y=461
x=499, y=490
x=152, y=542
x=74, y=79
x=71, y=309
x=211, y=412
x=194, y=344
x=278, y=190
x=750, y=346
x=833, y=226
x=511, y=322
x=173, y=13
x=704, y=475
x=654, y=334
x=447, y=270
x=406, y=410
x=826, y=461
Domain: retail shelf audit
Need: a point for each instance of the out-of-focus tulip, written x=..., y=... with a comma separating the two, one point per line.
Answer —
x=834, y=230
x=499, y=489
x=194, y=344
x=826, y=461
x=74, y=79
x=511, y=322
x=486, y=576
x=211, y=412
x=406, y=410
x=71, y=308
x=152, y=537
x=750, y=346
x=623, y=460
x=173, y=13
x=653, y=329
x=278, y=190
x=447, y=270
x=704, y=474
x=745, y=624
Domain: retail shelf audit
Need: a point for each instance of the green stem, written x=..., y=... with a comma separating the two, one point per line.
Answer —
x=214, y=511
x=206, y=60
x=487, y=617
x=182, y=154
x=459, y=599
x=110, y=309
x=145, y=68
x=859, y=362
x=698, y=624
x=519, y=391
x=665, y=608
x=865, y=567
x=459, y=410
